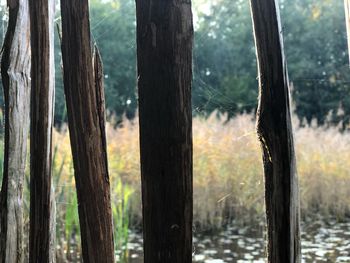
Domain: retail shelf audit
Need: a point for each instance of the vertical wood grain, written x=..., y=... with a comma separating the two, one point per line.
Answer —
x=164, y=59
x=42, y=233
x=85, y=108
x=276, y=135
x=15, y=73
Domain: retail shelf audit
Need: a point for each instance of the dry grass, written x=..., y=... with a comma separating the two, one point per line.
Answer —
x=228, y=178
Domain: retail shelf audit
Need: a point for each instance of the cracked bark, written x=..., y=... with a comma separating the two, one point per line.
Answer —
x=85, y=107
x=15, y=72
x=42, y=206
x=276, y=135
x=164, y=54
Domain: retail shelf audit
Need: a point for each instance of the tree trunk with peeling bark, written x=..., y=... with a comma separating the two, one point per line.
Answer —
x=164, y=54
x=85, y=104
x=42, y=213
x=276, y=135
x=15, y=72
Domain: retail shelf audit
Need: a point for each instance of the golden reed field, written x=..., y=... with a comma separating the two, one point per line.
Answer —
x=228, y=177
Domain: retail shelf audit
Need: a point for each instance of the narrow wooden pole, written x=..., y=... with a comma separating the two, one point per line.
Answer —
x=164, y=54
x=41, y=237
x=15, y=73
x=347, y=21
x=85, y=109
x=276, y=136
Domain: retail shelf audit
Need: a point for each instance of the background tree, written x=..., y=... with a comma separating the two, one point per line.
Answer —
x=347, y=20
x=224, y=78
x=317, y=62
x=15, y=74
x=224, y=62
x=224, y=57
x=113, y=27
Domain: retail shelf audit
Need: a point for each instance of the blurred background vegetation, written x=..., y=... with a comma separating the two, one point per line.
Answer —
x=224, y=58
x=228, y=178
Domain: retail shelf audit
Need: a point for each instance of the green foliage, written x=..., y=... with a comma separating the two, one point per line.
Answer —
x=120, y=210
x=57, y=168
x=315, y=46
x=224, y=60
x=316, y=49
x=113, y=30
x=113, y=27
x=68, y=228
x=225, y=75
x=71, y=216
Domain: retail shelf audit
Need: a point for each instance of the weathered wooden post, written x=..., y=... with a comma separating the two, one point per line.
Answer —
x=347, y=21
x=164, y=55
x=276, y=135
x=42, y=216
x=85, y=107
x=15, y=73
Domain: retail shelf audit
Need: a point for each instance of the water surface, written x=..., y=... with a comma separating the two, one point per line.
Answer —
x=321, y=242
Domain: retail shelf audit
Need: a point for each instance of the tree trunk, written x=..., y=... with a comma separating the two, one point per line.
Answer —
x=347, y=21
x=85, y=105
x=276, y=136
x=15, y=72
x=41, y=237
x=164, y=53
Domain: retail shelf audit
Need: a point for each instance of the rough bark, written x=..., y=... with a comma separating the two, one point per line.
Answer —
x=276, y=136
x=86, y=126
x=164, y=54
x=347, y=21
x=41, y=237
x=15, y=72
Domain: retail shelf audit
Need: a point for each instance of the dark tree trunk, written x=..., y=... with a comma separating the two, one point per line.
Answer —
x=276, y=136
x=347, y=21
x=15, y=73
x=41, y=237
x=164, y=53
x=85, y=107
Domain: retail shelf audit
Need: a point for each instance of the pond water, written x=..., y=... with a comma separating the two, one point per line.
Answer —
x=321, y=242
